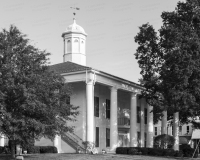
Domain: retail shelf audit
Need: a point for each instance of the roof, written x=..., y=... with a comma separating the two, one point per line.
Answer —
x=196, y=134
x=74, y=28
x=68, y=67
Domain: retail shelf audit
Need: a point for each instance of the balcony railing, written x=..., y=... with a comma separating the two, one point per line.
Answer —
x=124, y=121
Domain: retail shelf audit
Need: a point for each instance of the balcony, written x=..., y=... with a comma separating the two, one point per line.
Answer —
x=124, y=121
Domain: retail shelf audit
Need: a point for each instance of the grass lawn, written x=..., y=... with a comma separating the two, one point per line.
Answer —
x=87, y=157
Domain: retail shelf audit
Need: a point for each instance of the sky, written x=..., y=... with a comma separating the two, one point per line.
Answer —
x=111, y=26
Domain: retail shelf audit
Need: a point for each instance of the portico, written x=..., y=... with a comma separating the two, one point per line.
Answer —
x=109, y=106
x=123, y=97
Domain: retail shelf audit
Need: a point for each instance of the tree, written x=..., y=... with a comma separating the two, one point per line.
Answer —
x=33, y=99
x=170, y=62
x=164, y=141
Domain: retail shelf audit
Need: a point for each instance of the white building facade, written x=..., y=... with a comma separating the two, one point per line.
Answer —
x=111, y=114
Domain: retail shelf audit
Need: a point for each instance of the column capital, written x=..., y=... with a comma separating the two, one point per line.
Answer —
x=133, y=94
x=113, y=89
x=90, y=82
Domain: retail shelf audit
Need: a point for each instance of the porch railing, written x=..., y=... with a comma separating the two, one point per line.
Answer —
x=124, y=121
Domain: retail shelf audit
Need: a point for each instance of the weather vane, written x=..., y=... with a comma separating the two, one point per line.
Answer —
x=74, y=8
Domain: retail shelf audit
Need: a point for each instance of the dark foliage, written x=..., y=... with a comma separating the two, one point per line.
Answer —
x=33, y=99
x=170, y=63
x=41, y=149
x=149, y=151
x=187, y=150
x=164, y=141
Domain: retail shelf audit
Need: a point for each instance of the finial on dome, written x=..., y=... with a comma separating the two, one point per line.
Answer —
x=74, y=20
x=74, y=8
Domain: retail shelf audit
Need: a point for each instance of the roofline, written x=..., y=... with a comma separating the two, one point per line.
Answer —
x=105, y=74
x=118, y=78
x=69, y=32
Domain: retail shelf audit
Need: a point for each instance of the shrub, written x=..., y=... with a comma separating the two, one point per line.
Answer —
x=33, y=149
x=1, y=149
x=132, y=151
x=164, y=141
x=144, y=151
x=188, y=151
x=41, y=149
x=155, y=151
x=178, y=154
x=122, y=150
x=48, y=149
x=169, y=152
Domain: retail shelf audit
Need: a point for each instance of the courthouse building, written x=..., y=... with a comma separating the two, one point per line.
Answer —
x=111, y=114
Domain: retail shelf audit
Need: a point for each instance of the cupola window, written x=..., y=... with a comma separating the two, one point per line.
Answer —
x=69, y=46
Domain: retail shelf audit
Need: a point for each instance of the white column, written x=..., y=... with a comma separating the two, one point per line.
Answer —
x=142, y=122
x=2, y=140
x=133, y=120
x=164, y=123
x=149, y=126
x=90, y=111
x=176, y=130
x=57, y=143
x=113, y=120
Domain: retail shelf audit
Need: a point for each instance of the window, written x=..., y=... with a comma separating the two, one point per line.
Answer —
x=97, y=137
x=68, y=46
x=138, y=138
x=145, y=139
x=180, y=129
x=107, y=137
x=172, y=130
x=96, y=106
x=156, y=131
x=108, y=108
x=138, y=114
x=76, y=46
x=145, y=116
x=188, y=129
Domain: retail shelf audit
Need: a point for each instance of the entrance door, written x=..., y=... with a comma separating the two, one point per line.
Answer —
x=123, y=140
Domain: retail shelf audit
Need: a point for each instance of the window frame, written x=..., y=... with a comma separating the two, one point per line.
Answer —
x=97, y=137
x=107, y=137
x=107, y=109
x=138, y=114
x=145, y=115
x=96, y=106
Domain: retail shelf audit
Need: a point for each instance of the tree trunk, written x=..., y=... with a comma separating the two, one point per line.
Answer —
x=12, y=148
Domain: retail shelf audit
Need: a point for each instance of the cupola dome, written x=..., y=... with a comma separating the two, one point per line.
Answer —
x=74, y=28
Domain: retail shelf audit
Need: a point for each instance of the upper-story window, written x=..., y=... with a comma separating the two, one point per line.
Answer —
x=108, y=108
x=145, y=116
x=96, y=106
x=138, y=114
x=155, y=131
x=180, y=129
x=188, y=129
x=75, y=40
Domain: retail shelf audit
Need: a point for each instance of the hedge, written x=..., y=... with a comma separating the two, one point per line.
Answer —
x=185, y=151
x=41, y=149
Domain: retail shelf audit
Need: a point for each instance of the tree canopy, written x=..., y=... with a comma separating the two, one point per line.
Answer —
x=170, y=62
x=33, y=99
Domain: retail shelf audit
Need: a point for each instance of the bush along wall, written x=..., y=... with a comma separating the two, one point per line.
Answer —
x=41, y=149
x=184, y=151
